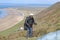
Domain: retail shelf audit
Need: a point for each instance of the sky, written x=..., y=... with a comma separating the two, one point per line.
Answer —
x=29, y=1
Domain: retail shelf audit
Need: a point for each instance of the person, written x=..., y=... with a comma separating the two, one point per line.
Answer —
x=29, y=21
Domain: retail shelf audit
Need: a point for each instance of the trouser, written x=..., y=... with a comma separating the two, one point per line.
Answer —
x=29, y=32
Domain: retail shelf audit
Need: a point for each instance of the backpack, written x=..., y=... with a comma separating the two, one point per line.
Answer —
x=25, y=27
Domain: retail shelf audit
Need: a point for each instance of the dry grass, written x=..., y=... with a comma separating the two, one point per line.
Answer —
x=45, y=24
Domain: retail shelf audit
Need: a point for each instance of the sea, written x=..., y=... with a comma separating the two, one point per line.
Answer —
x=3, y=12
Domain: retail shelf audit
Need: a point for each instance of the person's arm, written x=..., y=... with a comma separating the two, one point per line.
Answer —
x=34, y=22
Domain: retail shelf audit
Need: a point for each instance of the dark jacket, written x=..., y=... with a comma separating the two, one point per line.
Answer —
x=29, y=22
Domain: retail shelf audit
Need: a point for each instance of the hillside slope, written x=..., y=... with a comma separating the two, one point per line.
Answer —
x=12, y=18
x=15, y=15
x=47, y=21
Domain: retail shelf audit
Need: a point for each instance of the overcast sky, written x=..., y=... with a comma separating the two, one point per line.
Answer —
x=29, y=1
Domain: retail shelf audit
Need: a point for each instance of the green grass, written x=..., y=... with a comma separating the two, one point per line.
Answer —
x=12, y=29
x=41, y=25
x=41, y=30
x=20, y=38
x=23, y=38
x=49, y=23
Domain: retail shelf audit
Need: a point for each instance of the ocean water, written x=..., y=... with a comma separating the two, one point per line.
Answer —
x=23, y=5
x=2, y=14
x=51, y=36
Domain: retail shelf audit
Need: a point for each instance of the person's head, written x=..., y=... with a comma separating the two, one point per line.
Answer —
x=31, y=15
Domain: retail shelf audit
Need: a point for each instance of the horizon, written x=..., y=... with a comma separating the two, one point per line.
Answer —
x=28, y=1
x=23, y=5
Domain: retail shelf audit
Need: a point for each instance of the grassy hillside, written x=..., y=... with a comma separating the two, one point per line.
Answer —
x=47, y=21
x=12, y=13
